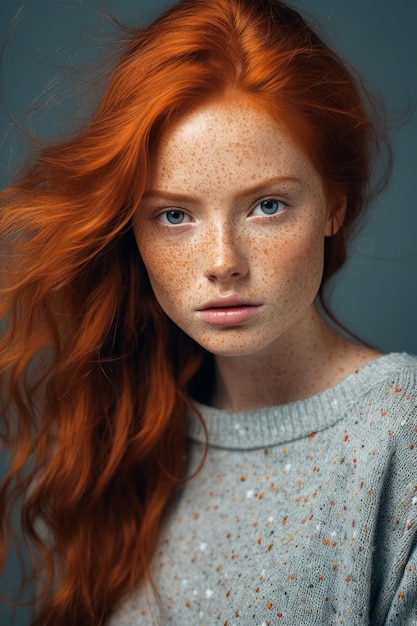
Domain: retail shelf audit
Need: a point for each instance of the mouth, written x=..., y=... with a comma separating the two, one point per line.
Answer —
x=228, y=302
x=228, y=312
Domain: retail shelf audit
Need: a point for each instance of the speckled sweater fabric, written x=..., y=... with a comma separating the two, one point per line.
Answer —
x=303, y=514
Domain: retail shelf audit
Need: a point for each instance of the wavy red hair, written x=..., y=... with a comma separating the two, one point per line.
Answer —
x=94, y=377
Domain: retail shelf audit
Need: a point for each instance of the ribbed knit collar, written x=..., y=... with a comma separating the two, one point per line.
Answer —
x=279, y=424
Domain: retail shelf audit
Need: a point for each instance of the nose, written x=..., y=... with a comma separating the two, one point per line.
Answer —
x=225, y=257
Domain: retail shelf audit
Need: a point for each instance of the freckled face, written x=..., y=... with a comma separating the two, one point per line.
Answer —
x=231, y=229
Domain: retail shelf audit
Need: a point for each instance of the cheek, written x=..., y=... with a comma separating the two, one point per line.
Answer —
x=297, y=260
x=170, y=269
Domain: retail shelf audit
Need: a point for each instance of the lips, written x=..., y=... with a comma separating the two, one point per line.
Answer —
x=228, y=311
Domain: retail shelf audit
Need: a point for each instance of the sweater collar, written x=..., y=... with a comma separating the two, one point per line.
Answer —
x=284, y=423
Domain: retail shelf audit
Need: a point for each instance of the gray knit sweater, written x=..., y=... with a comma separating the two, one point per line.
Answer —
x=303, y=514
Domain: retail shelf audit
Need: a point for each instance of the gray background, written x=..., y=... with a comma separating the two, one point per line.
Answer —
x=375, y=294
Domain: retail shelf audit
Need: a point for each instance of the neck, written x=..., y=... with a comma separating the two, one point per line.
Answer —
x=296, y=367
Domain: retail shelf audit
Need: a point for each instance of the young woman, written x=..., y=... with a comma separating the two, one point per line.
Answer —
x=194, y=442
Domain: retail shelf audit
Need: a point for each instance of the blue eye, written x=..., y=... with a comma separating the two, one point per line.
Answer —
x=174, y=216
x=270, y=206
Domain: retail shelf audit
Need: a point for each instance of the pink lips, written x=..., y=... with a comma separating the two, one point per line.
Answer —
x=228, y=311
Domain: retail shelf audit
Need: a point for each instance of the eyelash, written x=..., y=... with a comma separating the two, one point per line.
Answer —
x=163, y=217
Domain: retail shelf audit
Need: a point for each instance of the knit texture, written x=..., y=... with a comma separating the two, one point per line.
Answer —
x=302, y=514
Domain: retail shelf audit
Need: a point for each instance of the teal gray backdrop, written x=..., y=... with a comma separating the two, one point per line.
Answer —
x=375, y=294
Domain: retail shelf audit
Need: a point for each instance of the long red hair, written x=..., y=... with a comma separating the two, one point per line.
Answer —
x=94, y=377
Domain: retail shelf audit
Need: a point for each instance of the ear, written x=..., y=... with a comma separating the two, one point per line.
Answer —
x=336, y=211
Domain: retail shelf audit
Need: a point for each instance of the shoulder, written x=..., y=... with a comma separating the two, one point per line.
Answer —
x=394, y=365
x=384, y=416
x=393, y=388
x=378, y=411
x=381, y=394
x=389, y=384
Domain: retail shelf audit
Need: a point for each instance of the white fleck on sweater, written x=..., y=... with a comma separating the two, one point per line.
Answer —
x=303, y=514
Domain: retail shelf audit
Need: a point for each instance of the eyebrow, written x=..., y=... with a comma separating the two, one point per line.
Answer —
x=248, y=191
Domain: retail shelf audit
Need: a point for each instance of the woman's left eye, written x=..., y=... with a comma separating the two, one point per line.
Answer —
x=270, y=206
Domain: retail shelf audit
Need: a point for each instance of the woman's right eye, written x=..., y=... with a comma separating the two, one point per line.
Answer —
x=173, y=217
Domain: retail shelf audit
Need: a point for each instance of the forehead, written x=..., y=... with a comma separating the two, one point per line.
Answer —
x=225, y=139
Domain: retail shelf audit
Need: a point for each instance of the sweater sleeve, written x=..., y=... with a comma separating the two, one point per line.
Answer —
x=403, y=608
x=395, y=541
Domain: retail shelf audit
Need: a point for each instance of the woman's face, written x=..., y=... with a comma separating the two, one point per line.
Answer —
x=231, y=229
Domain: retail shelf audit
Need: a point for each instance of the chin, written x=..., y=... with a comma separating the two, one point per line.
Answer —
x=227, y=346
